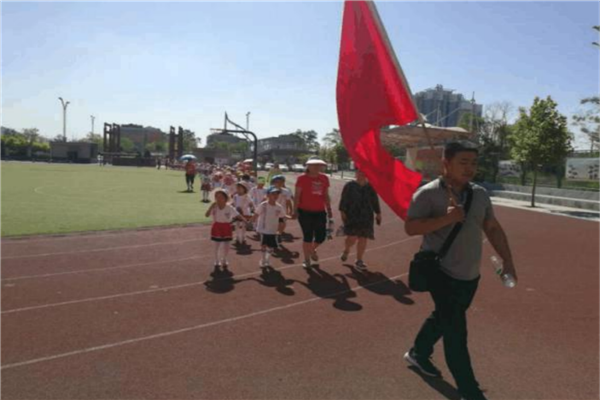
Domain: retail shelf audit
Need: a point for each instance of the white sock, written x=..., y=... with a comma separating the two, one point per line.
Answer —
x=225, y=248
x=217, y=248
x=243, y=231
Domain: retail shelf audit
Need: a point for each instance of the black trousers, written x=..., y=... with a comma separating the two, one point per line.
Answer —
x=452, y=298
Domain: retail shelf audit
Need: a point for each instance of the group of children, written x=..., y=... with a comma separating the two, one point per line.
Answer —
x=244, y=205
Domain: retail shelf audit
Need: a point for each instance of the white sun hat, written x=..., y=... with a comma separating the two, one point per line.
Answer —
x=316, y=161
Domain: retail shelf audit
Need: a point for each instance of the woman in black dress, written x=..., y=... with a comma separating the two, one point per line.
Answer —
x=359, y=207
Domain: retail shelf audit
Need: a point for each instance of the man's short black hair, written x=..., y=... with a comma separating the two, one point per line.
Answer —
x=453, y=148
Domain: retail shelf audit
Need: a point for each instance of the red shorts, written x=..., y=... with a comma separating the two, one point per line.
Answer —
x=221, y=232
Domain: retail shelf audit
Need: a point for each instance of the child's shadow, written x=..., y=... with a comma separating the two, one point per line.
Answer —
x=288, y=237
x=272, y=278
x=221, y=281
x=378, y=283
x=243, y=249
x=328, y=286
x=285, y=255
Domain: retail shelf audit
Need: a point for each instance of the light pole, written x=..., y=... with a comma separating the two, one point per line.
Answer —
x=93, y=118
x=64, y=105
x=248, y=121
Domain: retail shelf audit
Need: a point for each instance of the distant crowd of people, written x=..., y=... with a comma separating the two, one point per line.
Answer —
x=246, y=202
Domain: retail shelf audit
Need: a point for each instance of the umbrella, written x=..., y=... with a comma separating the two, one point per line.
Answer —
x=187, y=157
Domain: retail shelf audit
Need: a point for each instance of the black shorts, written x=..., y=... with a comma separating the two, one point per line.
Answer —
x=268, y=240
x=314, y=225
x=189, y=179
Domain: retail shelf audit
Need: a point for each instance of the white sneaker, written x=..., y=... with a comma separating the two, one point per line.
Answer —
x=306, y=264
x=360, y=266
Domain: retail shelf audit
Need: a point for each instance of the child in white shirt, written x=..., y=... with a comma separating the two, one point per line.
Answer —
x=269, y=215
x=285, y=200
x=244, y=206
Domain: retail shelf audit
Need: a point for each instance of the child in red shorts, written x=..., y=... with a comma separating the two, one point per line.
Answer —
x=221, y=232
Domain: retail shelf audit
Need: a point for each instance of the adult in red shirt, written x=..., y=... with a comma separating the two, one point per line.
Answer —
x=312, y=207
x=190, y=174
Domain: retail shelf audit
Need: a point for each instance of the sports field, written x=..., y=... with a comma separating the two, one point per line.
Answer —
x=41, y=198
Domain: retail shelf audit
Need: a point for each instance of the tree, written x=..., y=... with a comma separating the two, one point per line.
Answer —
x=31, y=136
x=308, y=138
x=95, y=138
x=471, y=122
x=127, y=145
x=540, y=137
x=189, y=141
x=589, y=121
x=333, y=138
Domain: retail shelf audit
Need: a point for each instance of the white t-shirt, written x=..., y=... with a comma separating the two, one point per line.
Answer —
x=284, y=196
x=225, y=215
x=242, y=202
x=258, y=195
x=268, y=218
x=231, y=189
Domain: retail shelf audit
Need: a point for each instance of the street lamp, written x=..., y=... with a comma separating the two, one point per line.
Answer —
x=64, y=105
x=93, y=118
x=248, y=121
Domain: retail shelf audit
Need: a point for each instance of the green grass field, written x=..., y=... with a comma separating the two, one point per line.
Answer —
x=58, y=198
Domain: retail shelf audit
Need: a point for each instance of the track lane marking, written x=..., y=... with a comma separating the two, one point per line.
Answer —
x=176, y=287
x=188, y=329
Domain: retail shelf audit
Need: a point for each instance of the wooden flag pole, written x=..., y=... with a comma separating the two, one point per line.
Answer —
x=390, y=49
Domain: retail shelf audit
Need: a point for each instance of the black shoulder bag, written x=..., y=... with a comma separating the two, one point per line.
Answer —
x=427, y=262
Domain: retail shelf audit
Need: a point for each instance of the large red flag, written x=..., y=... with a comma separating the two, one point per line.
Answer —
x=372, y=93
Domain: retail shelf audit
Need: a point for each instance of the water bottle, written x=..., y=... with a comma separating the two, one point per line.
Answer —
x=507, y=279
x=330, y=230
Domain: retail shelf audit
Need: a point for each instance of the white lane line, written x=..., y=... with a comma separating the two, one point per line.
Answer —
x=130, y=246
x=83, y=271
x=133, y=246
x=189, y=329
x=17, y=278
x=176, y=287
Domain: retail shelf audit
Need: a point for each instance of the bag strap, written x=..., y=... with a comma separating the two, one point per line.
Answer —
x=458, y=226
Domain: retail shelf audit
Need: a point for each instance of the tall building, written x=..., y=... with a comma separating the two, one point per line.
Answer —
x=222, y=137
x=282, y=148
x=443, y=107
x=142, y=136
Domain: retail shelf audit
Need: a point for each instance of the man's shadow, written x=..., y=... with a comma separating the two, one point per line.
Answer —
x=221, y=281
x=327, y=286
x=438, y=384
x=272, y=278
x=378, y=283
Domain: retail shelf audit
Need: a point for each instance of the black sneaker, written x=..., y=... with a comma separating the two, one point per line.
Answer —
x=423, y=364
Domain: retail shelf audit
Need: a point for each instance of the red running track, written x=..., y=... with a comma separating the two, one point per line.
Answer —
x=136, y=314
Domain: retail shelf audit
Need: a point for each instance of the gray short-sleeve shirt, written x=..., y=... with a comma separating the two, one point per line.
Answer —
x=464, y=257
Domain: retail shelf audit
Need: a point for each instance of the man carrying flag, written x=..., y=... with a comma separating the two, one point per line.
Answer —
x=372, y=93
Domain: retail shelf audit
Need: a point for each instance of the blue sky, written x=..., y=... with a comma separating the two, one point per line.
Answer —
x=163, y=64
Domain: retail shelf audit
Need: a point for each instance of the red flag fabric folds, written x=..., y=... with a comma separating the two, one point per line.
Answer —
x=372, y=93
